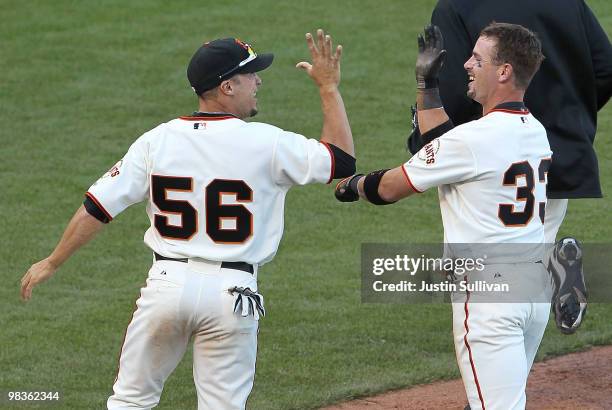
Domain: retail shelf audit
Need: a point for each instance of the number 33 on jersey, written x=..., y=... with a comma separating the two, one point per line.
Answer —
x=491, y=175
x=243, y=172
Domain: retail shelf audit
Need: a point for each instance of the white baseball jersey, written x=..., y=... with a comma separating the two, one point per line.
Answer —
x=491, y=178
x=491, y=175
x=215, y=185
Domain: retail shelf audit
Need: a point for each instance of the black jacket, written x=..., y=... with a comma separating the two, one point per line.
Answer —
x=573, y=83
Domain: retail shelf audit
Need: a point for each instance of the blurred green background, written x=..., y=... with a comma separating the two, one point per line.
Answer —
x=82, y=79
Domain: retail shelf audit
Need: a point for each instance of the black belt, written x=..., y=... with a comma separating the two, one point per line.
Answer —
x=243, y=266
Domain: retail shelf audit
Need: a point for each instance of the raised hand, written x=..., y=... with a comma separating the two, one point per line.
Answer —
x=430, y=57
x=325, y=67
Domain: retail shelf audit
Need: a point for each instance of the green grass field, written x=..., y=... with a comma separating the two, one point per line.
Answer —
x=81, y=80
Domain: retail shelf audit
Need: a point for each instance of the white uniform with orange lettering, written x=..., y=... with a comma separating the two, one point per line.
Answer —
x=491, y=175
x=215, y=188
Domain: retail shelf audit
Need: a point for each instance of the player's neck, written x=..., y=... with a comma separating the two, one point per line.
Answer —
x=500, y=97
x=216, y=107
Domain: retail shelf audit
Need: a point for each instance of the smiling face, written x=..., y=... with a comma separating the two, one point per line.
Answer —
x=483, y=73
x=245, y=94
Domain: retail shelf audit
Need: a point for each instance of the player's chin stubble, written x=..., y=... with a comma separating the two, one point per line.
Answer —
x=471, y=93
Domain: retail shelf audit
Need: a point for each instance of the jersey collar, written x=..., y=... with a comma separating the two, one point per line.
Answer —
x=208, y=116
x=511, y=107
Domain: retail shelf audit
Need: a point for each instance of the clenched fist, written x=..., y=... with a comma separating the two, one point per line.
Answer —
x=346, y=190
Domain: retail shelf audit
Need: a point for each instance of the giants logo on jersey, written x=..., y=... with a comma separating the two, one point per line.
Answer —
x=429, y=151
x=114, y=171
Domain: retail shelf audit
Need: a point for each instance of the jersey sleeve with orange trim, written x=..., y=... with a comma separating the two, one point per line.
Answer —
x=444, y=160
x=126, y=183
x=298, y=160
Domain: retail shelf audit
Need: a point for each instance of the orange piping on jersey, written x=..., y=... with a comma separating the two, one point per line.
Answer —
x=99, y=205
x=467, y=330
x=521, y=112
x=333, y=162
x=228, y=117
x=409, y=181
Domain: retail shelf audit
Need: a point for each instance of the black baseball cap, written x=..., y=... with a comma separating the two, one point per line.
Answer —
x=220, y=59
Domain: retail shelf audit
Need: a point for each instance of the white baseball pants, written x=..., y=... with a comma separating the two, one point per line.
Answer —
x=496, y=343
x=183, y=301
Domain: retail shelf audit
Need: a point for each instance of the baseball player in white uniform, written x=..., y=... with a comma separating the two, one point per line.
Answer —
x=491, y=179
x=215, y=188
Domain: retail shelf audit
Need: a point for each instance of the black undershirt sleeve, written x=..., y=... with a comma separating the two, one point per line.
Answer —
x=344, y=164
x=416, y=140
x=437, y=132
x=93, y=210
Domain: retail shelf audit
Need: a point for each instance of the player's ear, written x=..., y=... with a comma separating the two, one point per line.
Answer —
x=505, y=72
x=226, y=87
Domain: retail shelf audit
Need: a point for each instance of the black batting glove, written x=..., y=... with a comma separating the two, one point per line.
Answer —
x=346, y=190
x=430, y=57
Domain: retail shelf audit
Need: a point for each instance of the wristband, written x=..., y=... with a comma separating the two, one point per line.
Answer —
x=427, y=83
x=370, y=187
x=429, y=99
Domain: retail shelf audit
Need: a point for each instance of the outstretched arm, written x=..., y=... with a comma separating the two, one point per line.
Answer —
x=325, y=72
x=81, y=229
x=382, y=187
x=390, y=185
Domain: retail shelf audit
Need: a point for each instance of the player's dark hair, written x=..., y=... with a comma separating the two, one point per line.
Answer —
x=209, y=94
x=517, y=46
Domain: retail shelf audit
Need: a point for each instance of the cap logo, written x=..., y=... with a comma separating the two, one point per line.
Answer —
x=252, y=56
x=247, y=47
x=242, y=44
x=217, y=60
